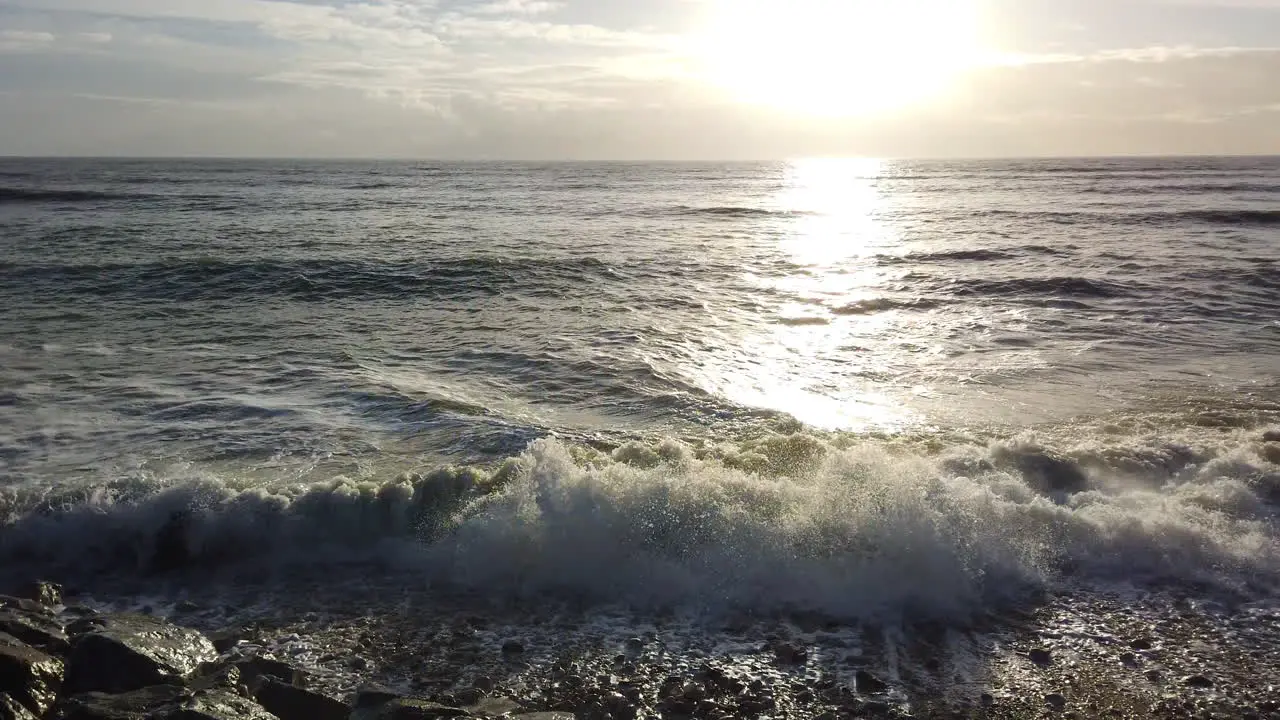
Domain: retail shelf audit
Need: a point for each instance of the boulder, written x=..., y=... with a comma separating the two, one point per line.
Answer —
x=42, y=592
x=1271, y=436
x=34, y=628
x=11, y=709
x=31, y=606
x=137, y=705
x=253, y=668
x=216, y=705
x=288, y=702
x=30, y=676
x=405, y=709
x=122, y=653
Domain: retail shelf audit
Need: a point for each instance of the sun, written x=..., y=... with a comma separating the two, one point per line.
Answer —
x=838, y=57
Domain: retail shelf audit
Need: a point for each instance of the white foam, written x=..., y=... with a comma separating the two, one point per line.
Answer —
x=847, y=527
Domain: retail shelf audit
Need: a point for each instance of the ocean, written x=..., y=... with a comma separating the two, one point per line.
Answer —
x=872, y=390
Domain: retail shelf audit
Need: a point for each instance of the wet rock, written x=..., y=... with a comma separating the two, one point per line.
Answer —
x=11, y=709
x=1129, y=659
x=224, y=640
x=25, y=605
x=253, y=669
x=1154, y=676
x=41, y=591
x=34, y=628
x=869, y=684
x=288, y=702
x=1056, y=701
x=217, y=705
x=987, y=700
x=135, y=705
x=216, y=676
x=1041, y=657
x=121, y=653
x=1197, y=681
x=1141, y=644
x=512, y=647
x=30, y=677
x=494, y=707
x=790, y=654
x=371, y=696
x=1271, y=436
x=407, y=709
x=545, y=716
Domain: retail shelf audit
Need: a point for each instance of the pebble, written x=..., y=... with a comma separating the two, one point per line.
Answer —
x=1197, y=681
x=1041, y=656
x=1055, y=700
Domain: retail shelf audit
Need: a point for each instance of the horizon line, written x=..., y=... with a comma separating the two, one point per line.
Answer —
x=794, y=158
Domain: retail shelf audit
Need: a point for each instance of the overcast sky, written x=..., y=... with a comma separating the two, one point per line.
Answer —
x=629, y=79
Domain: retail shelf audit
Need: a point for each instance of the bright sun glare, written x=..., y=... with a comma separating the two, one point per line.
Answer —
x=838, y=57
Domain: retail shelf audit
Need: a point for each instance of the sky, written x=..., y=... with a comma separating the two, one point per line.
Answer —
x=639, y=79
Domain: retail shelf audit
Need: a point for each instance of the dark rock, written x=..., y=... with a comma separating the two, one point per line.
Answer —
x=407, y=709
x=1129, y=659
x=30, y=676
x=1197, y=681
x=1041, y=657
x=216, y=676
x=1154, y=676
x=512, y=647
x=790, y=654
x=31, y=606
x=545, y=716
x=11, y=709
x=122, y=653
x=494, y=707
x=35, y=629
x=186, y=606
x=869, y=684
x=217, y=705
x=1055, y=700
x=294, y=703
x=137, y=705
x=1271, y=436
x=987, y=700
x=1141, y=644
x=371, y=696
x=224, y=640
x=253, y=669
x=42, y=592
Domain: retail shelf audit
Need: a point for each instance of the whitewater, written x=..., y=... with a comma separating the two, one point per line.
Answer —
x=871, y=392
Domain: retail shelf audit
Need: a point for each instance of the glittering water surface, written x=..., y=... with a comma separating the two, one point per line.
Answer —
x=777, y=362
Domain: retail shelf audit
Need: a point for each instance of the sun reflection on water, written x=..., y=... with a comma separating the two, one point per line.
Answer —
x=814, y=358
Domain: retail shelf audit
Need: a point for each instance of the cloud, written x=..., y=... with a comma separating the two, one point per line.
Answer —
x=519, y=7
x=24, y=40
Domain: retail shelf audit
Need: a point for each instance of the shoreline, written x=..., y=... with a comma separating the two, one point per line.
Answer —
x=1121, y=654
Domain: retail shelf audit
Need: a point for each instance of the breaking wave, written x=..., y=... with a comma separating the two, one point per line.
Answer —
x=851, y=528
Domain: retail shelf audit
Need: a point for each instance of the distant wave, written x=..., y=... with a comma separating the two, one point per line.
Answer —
x=1061, y=286
x=876, y=305
x=971, y=255
x=30, y=195
x=304, y=279
x=733, y=211
x=1233, y=218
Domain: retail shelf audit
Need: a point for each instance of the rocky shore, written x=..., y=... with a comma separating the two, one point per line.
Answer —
x=1069, y=657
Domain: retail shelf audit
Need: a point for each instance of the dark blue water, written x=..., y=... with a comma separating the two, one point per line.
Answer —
x=762, y=377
